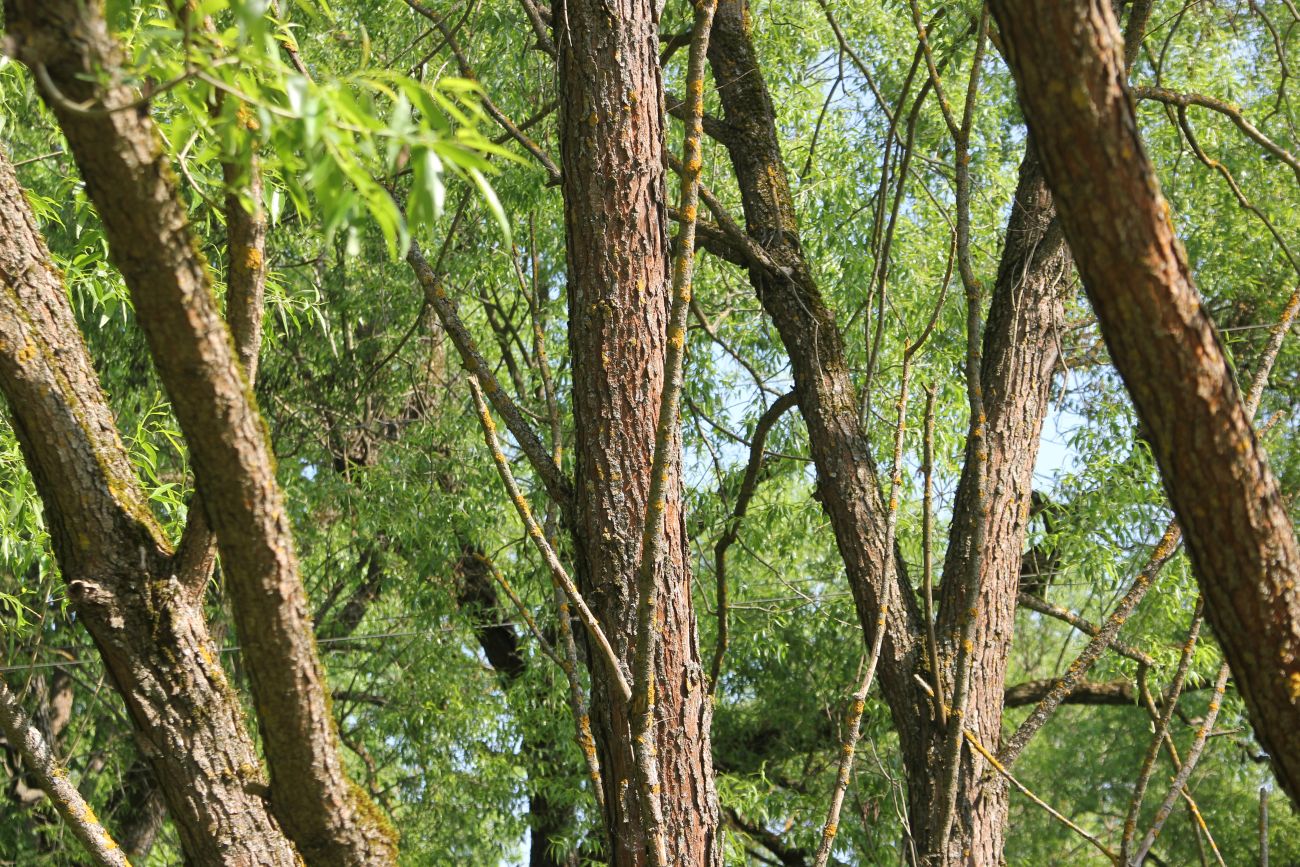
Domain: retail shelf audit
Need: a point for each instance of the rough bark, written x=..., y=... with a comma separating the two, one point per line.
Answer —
x=612, y=142
x=127, y=176
x=1018, y=357
x=1068, y=61
x=119, y=570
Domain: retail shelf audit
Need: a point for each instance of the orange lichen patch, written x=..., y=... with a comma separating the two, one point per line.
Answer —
x=252, y=258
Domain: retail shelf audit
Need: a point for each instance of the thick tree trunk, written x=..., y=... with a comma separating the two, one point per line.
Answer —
x=612, y=139
x=122, y=161
x=1068, y=60
x=121, y=577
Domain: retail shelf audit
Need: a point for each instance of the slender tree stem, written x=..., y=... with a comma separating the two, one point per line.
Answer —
x=852, y=731
x=40, y=761
x=854, y=721
x=977, y=451
x=1263, y=826
x=1162, y=727
x=747, y=486
x=535, y=533
x=1189, y=764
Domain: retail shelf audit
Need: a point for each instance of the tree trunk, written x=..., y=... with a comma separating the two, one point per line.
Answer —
x=1019, y=357
x=121, y=577
x=127, y=176
x=612, y=141
x=847, y=481
x=1068, y=60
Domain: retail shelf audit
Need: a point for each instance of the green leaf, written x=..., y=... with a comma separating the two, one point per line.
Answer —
x=493, y=203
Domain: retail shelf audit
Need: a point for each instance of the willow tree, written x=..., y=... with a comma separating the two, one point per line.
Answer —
x=406, y=394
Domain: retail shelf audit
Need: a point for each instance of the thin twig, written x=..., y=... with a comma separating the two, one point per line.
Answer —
x=853, y=730
x=747, y=486
x=1033, y=603
x=1263, y=826
x=927, y=555
x=1189, y=764
x=853, y=727
x=1229, y=110
x=538, y=455
x=467, y=71
x=1162, y=727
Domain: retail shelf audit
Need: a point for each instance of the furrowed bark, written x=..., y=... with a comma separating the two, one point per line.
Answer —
x=667, y=448
x=612, y=146
x=119, y=570
x=124, y=166
x=1068, y=61
x=1019, y=356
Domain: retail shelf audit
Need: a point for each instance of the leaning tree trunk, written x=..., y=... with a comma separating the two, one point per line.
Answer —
x=1068, y=61
x=612, y=140
x=121, y=158
x=123, y=582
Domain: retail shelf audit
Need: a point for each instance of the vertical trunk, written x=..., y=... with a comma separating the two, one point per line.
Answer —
x=615, y=216
x=1019, y=356
x=121, y=577
x=1068, y=61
